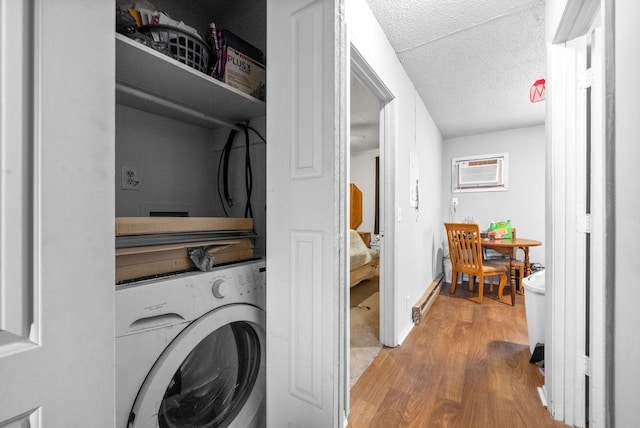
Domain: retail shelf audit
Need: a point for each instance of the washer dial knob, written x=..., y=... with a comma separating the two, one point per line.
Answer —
x=220, y=288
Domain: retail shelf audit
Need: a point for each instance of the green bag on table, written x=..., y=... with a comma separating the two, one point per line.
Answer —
x=502, y=229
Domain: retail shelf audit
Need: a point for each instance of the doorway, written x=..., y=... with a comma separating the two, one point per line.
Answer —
x=364, y=157
x=373, y=145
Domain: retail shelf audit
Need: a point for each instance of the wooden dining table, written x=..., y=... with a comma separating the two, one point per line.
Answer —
x=510, y=247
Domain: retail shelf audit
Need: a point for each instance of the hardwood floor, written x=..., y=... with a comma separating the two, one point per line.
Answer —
x=466, y=365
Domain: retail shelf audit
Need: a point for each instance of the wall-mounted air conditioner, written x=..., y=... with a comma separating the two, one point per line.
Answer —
x=479, y=173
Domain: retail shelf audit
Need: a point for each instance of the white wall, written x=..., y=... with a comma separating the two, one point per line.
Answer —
x=626, y=202
x=174, y=160
x=523, y=203
x=363, y=175
x=418, y=233
x=178, y=168
x=428, y=220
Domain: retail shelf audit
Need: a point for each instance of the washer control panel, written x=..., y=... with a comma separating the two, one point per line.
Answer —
x=241, y=283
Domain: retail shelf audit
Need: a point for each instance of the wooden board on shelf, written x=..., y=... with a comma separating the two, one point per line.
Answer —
x=152, y=225
x=141, y=262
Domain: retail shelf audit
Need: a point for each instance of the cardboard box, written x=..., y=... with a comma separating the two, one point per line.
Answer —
x=496, y=234
x=244, y=73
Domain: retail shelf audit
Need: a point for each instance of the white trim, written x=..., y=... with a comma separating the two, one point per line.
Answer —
x=566, y=271
x=388, y=245
x=560, y=109
x=576, y=20
x=542, y=395
x=597, y=378
x=576, y=260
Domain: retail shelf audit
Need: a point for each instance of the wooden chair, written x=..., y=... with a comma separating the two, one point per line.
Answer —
x=465, y=251
x=518, y=264
x=498, y=258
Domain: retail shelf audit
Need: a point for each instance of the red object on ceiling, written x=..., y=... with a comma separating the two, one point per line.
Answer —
x=536, y=93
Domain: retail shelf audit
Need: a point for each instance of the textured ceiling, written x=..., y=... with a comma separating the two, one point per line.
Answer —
x=365, y=114
x=472, y=62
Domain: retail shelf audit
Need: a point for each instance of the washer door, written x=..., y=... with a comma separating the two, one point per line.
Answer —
x=211, y=375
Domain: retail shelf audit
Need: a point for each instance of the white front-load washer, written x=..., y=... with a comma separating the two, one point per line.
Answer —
x=190, y=349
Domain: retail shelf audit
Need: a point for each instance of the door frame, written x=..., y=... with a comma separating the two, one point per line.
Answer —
x=569, y=223
x=365, y=73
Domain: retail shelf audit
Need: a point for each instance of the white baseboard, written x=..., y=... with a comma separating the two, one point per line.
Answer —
x=543, y=396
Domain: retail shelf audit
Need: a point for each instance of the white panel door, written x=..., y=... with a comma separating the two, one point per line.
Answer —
x=306, y=269
x=56, y=207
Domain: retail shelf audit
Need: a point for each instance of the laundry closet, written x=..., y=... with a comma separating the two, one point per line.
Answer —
x=172, y=123
x=190, y=301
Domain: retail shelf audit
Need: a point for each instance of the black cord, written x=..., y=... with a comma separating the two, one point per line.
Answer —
x=257, y=133
x=223, y=169
x=248, y=175
x=219, y=181
x=225, y=166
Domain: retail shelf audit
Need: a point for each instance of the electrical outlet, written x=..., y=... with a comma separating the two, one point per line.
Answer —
x=408, y=303
x=454, y=202
x=130, y=178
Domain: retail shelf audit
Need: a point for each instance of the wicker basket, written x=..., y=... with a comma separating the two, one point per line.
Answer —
x=180, y=45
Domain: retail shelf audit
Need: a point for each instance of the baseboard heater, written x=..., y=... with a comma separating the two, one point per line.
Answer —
x=423, y=305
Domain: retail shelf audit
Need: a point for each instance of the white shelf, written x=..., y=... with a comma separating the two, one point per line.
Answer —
x=151, y=81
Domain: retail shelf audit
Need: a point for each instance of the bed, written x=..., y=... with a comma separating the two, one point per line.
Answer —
x=364, y=260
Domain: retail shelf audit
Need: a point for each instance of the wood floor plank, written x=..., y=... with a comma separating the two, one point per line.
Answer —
x=466, y=365
x=363, y=412
x=450, y=388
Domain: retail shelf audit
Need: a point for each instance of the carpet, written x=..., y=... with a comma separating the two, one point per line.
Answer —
x=365, y=327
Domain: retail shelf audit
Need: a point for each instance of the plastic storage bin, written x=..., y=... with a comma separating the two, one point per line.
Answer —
x=448, y=271
x=535, y=307
x=182, y=46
